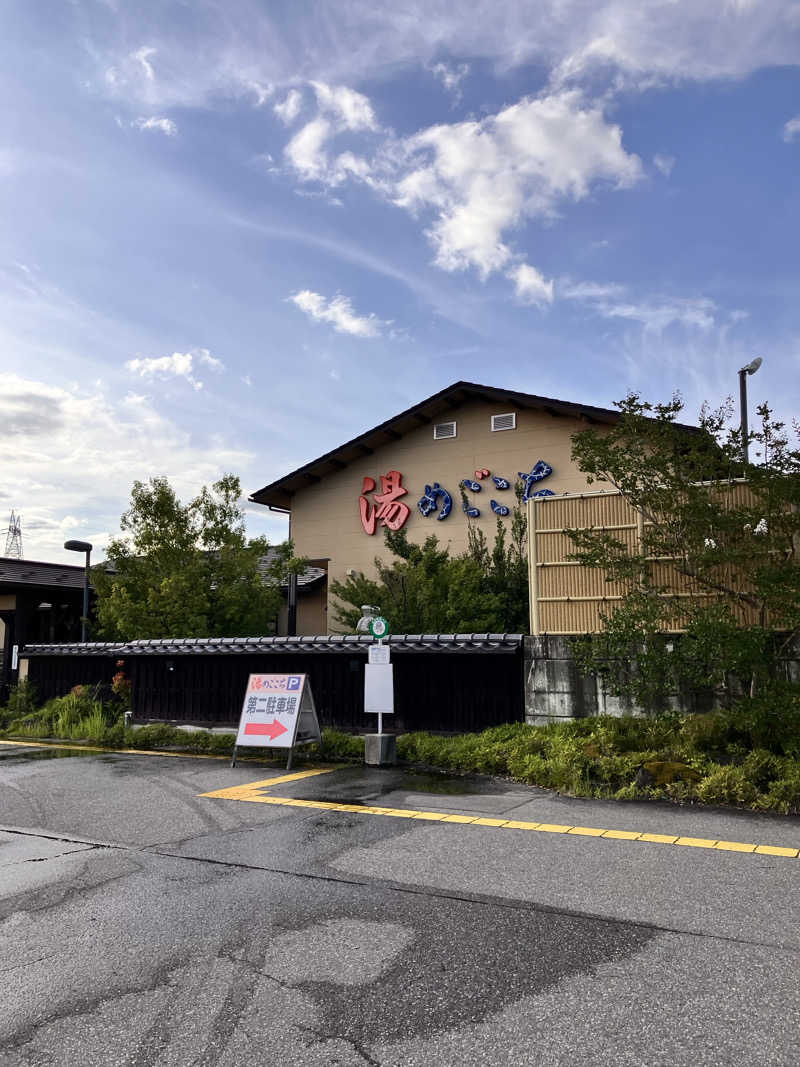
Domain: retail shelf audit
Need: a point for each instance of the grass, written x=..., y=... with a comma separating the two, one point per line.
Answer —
x=732, y=757
x=747, y=757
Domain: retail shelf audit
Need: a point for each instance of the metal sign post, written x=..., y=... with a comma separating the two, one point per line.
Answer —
x=380, y=748
x=278, y=712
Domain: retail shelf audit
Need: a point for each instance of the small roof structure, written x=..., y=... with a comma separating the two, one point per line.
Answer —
x=25, y=572
x=278, y=495
x=310, y=578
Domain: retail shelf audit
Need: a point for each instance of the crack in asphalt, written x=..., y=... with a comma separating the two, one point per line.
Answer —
x=481, y=899
x=323, y=1038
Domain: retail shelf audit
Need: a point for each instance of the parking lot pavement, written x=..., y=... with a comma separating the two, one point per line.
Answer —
x=143, y=923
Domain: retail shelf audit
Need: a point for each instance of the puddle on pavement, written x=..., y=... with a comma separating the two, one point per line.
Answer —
x=22, y=755
x=409, y=782
x=433, y=783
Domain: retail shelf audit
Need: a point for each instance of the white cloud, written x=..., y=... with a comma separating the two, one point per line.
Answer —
x=237, y=44
x=475, y=182
x=451, y=77
x=261, y=92
x=664, y=163
x=589, y=290
x=156, y=122
x=530, y=286
x=658, y=315
x=178, y=365
x=337, y=311
x=351, y=110
x=143, y=57
x=340, y=110
x=76, y=454
x=306, y=150
x=654, y=313
x=289, y=108
x=791, y=129
x=483, y=179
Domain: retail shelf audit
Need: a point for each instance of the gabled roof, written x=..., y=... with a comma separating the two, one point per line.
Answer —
x=279, y=494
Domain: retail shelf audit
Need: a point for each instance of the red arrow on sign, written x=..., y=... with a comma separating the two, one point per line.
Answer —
x=268, y=729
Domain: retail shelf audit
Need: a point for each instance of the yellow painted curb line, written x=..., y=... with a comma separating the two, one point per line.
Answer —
x=254, y=792
x=81, y=747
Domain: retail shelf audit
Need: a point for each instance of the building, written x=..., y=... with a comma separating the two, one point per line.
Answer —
x=38, y=602
x=408, y=473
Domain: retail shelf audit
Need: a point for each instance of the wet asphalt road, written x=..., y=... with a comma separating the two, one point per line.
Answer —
x=141, y=924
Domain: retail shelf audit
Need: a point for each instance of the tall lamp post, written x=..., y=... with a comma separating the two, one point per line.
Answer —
x=82, y=546
x=751, y=368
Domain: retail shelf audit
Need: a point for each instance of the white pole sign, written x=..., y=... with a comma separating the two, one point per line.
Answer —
x=379, y=691
x=278, y=712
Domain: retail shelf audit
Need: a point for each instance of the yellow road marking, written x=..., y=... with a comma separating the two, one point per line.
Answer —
x=772, y=850
x=255, y=793
x=245, y=792
x=735, y=846
x=81, y=747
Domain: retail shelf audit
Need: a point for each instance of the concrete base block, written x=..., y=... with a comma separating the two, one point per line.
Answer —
x=380, y=750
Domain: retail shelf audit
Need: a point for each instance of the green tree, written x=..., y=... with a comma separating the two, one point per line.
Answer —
x=187, y=570
x=736, y=555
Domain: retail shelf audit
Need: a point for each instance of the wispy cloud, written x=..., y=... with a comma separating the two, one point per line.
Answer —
x=664, y=163
x=178, y=365
x=655, y=313
x=156, y=122
x=530, y=285
x=288, y=109
x=238, y=44
x=339, y=312
x=339, y=110
x=791, y=129
x=451, y=77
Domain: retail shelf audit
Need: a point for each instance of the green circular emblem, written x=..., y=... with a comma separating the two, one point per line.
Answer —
x=379, y=627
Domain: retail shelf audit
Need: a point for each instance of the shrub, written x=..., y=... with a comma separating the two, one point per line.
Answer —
x=21, y=701
x=338, y=745
x=727, y=785
x=784, y=794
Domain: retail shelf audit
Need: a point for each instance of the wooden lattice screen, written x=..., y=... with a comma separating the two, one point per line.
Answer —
x=567, y=597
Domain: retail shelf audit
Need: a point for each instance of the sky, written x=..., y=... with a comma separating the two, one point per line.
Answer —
x=236, y=233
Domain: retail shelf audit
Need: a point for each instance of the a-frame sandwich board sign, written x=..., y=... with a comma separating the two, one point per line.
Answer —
x=278, y=712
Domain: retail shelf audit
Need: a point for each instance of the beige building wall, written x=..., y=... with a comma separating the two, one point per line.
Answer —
x=325, y=517
x=312, y=612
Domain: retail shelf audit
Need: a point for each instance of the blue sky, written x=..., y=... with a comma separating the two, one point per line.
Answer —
x=233, y=234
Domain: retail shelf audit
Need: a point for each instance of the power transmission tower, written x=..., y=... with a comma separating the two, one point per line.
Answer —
x=14, y=537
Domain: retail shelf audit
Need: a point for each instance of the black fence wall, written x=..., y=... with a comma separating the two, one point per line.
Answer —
x=436, y=689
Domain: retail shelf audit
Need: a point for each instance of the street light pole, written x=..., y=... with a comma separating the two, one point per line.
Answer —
x=82, y=546
x=751, y=368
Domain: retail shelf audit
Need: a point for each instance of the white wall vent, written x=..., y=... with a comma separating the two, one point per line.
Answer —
x=504, y=422
x=442, y=430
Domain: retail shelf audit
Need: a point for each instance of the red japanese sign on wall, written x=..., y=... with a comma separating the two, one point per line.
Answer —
x=385, y=507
